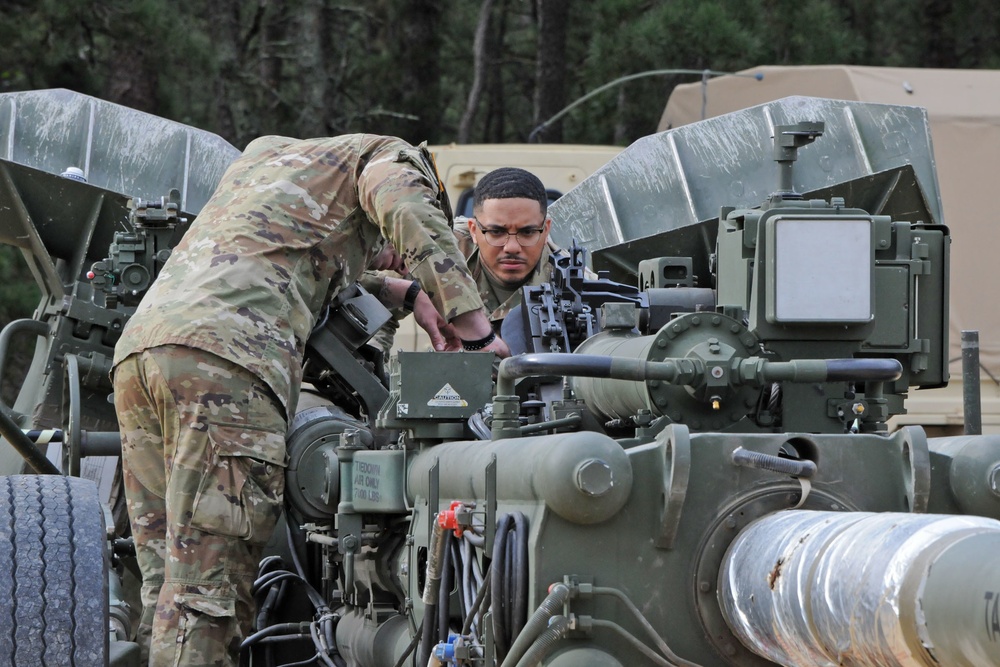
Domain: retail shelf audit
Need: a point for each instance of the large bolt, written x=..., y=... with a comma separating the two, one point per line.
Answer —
x=594, y=477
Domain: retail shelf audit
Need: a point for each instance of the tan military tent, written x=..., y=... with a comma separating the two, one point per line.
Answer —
x=964, y=111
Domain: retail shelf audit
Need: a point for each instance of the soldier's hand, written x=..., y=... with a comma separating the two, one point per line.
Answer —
x=443, y=336
x=498, y=347
x=475, y=326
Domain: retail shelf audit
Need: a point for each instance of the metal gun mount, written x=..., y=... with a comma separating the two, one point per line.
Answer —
x=688, y=465
x=793, y=282
x=136, y=256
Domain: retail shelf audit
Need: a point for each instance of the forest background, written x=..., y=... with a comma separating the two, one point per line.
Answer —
x=446, y=70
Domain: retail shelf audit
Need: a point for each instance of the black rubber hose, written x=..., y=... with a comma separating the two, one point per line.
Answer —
x=432, y=589
x=476, y=604
x=498, y=592
x=289, y=629
x=427, y=634
x=269, y=603
x=508, y=584
x=271, y=578
x=412, y=645
x=270, y=598
x=458, y=564
x=447, y=583
x=519, y=568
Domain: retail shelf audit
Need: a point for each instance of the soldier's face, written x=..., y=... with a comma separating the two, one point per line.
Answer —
x=511, y=263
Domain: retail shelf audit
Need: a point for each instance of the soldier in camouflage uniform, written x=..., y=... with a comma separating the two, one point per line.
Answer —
x=207, y=370
x=506, y=245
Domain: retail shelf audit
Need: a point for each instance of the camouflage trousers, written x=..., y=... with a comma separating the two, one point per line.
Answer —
x=203, y=455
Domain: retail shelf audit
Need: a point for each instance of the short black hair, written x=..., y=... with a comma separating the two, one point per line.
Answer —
x=510, y=183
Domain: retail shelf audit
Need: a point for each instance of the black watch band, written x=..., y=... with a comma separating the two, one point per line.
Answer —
x=410, y=300
x=474, y=345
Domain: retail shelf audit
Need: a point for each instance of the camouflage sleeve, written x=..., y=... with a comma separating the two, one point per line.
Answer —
x=266, y=143
x=466, y=244
x=372, y=280
x=395, y=191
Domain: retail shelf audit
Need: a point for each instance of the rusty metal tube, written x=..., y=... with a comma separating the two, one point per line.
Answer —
x=854, y=588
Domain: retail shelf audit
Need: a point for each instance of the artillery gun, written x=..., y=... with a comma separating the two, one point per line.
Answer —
x=688, y=462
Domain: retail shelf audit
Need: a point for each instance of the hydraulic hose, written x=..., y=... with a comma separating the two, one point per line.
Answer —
x=509, y=580
x=476, y=604
x=445, y=587
x=285, y=631
x=269, y=590
x=432, y=587
x=558, y=629
x=551, y=605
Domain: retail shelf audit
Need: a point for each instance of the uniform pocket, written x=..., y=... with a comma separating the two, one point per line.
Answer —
x=216, y=606
x=240, y=491
x=205, y=625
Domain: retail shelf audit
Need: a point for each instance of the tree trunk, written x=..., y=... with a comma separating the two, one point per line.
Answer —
x=479, y=62
x=940, y=49
x=311, y=74
x=493, y=128
x=224, y=17
x=419, y=25
x=550, y=87
x=132, y=79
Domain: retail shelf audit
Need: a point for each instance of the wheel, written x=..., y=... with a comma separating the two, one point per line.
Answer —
x=54, y=579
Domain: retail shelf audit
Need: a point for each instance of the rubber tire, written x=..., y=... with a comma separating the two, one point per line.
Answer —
x=54, y=577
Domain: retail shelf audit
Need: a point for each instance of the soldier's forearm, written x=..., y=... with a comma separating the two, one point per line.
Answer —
x=472, y=325
x=393, y=291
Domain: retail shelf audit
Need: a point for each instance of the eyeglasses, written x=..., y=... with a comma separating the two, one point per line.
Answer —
x=497, y=236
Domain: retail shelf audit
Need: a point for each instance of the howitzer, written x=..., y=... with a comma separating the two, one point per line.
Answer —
x=688, y=462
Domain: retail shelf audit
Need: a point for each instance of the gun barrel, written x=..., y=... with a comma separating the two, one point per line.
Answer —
x=854, y=588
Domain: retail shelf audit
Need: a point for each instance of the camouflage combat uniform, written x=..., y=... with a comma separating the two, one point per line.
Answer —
x=495, y=308
x=208, y=369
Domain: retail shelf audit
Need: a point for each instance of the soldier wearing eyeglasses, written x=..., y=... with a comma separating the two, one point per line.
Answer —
x=506, y=245
x=506, y=242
